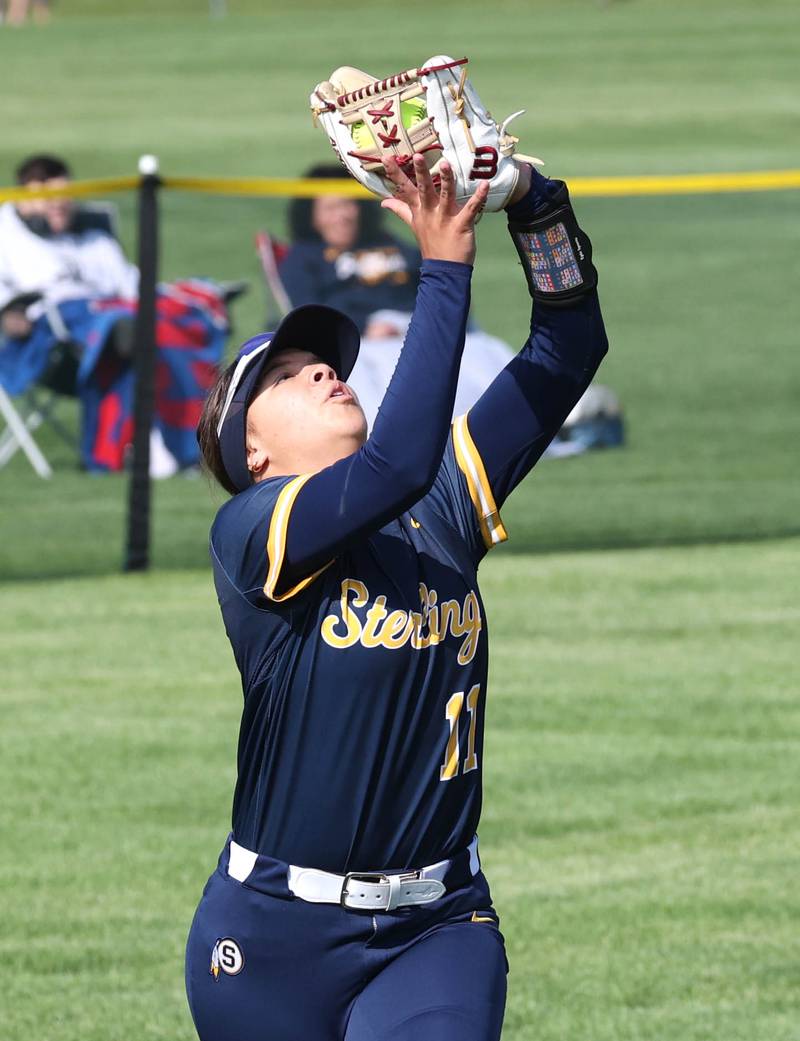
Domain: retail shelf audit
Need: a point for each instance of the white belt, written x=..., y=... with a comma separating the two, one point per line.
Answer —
x=366, y=891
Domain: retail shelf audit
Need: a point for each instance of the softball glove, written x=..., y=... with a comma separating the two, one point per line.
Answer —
x=433, y=110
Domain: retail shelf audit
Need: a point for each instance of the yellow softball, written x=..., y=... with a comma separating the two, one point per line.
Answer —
x=411, y=113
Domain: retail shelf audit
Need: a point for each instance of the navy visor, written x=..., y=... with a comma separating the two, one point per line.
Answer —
x=324, y=331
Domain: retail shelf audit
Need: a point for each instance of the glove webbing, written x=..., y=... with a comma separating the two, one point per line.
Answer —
x=362, y=105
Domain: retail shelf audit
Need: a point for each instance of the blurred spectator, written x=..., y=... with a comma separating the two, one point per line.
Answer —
x=16, y=11
x=342, y=255
x=55, y=251
x=65, y=284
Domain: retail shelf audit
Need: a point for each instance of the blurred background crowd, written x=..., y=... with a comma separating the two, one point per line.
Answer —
x=68, y=297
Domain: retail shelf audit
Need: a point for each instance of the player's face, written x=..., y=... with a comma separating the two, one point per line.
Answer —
x=335, y=220
x=302, y=419
x=57, y=212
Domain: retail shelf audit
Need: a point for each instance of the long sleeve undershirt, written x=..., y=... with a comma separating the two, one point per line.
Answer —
x=399, y=461
x=511, y=424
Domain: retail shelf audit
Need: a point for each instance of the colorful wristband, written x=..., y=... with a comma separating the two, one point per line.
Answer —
x=555, y=253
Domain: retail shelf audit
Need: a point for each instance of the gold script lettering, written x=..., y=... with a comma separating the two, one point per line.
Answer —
x=395, y=629
x=349, y=617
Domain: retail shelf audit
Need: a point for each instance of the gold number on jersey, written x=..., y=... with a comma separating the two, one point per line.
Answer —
x=471, y=762
x=449, y=768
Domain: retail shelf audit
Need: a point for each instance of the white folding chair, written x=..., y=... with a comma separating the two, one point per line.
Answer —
x=18, y=435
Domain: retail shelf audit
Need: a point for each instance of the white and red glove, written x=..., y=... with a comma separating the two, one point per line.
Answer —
x=433, y=110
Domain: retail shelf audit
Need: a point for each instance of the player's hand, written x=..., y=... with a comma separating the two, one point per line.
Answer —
x=443, y=231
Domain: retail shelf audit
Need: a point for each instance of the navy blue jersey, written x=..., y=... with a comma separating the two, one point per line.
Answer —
x=351, y=602
x=365, y=684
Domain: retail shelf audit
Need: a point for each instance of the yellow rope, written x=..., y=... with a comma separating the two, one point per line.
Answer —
x=685, y=184
x=283, y=187
x=269, y=186
x=588, y=187
x=75, y=189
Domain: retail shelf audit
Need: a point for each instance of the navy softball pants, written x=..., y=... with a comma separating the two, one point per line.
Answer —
x=263, y=965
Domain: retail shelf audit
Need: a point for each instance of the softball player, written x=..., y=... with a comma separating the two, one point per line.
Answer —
x=348, y=903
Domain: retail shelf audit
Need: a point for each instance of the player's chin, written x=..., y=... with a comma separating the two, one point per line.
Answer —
x=347, y=417
x=357, y=419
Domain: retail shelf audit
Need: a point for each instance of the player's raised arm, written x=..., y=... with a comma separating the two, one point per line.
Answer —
x=342, y=487
x=398, y=463
x=517, y=417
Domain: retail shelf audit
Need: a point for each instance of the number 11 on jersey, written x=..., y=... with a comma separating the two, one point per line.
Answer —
x=452, y=756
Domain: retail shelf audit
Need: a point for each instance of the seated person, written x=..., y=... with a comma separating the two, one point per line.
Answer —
x=53, y=249
x=65, y=279
x=341, y=256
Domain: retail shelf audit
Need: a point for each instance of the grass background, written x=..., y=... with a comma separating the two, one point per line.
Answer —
x=641, y=821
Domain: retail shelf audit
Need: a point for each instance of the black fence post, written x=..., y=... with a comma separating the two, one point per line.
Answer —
x=137, y=549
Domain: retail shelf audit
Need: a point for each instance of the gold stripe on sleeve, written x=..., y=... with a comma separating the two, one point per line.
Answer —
x=480, y=491
x=276, y=542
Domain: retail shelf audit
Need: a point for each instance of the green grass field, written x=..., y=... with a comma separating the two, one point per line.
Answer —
x=641, y=817
x=642, y=792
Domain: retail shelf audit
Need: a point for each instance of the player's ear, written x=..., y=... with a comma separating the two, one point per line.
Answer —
x=257, y=455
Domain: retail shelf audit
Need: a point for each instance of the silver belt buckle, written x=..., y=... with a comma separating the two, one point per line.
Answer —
x=373, y=878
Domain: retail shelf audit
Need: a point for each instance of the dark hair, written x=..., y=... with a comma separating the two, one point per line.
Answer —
x=41, y=168
x=370, y=215
x=207, y=430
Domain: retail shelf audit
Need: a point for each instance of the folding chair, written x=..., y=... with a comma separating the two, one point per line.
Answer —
x=40, y=403
x=17, y=434
x=270, y=252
